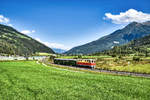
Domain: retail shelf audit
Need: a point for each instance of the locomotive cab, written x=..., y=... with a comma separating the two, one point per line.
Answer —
x=86, y=63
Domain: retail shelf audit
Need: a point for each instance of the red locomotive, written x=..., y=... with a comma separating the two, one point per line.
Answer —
x=86, y=62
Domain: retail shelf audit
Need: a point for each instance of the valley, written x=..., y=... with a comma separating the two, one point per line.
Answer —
x=74, y=50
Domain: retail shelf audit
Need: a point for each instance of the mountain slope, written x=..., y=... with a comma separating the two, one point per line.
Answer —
x=15, y=43
x=132, y=31
x=139, y=46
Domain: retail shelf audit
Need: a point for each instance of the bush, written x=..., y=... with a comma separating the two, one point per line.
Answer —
x=51, y=58
x=135, y=58
x=116, y=60
x=113, y=55
x=100, y=59
x=141, y=54
x=79, y=56
x=120, y=57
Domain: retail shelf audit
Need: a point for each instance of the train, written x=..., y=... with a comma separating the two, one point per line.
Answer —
x=90, y=63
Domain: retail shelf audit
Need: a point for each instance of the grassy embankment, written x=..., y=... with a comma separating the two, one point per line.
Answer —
x=28, y=80
x=124, y=64
x=120, y=64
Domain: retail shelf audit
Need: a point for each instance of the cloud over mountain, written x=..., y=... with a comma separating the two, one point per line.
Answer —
x=27, y=31
x=6, y=21
x=53, y=45
x=128, y=16
x=3, y=19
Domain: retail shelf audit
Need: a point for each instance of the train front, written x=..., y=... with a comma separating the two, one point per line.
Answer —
x=86, y=63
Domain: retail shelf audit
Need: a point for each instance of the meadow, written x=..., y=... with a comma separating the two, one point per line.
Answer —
x=29, y=80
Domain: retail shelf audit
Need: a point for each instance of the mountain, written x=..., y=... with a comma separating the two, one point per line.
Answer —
x=15, y=43
x=139, y=46
x=132, y=31
x=56, y=50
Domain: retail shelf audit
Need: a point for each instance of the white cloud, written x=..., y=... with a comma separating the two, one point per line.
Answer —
x=27, y=31
x=128, y=16
x=4, y=20
x=10, y=25
x=33, y=31
x=116, y=42
x=112, y=47
x=53, y=45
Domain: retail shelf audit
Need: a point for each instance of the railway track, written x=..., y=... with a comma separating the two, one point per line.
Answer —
x=104, y=71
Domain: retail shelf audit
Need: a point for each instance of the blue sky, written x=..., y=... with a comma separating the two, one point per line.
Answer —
x=68, y=23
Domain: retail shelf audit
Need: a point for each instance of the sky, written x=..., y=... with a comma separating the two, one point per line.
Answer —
x=68, y=23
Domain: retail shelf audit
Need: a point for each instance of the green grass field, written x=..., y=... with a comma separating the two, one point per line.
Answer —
x=27, y=80
x=139, y=68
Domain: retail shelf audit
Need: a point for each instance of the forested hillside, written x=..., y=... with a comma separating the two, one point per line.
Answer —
x=13, y=42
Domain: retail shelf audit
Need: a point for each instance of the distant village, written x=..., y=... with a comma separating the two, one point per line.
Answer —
x=22, y=58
